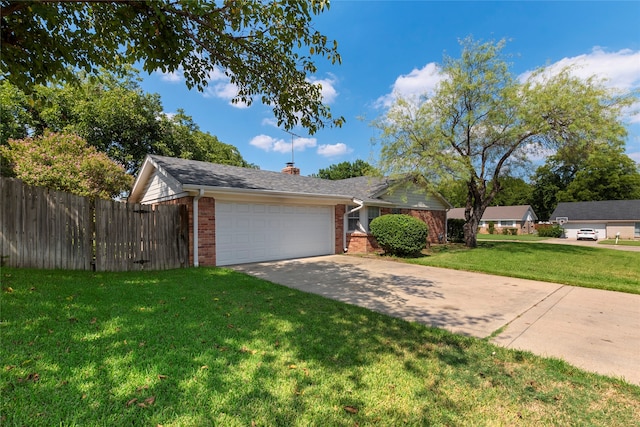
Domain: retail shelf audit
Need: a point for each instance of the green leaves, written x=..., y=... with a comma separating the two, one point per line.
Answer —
x=481, y=123
x=65, y=162
x=113, y=115
x=259, y=44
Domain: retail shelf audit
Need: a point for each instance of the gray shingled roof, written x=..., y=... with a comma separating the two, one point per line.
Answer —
x=495, y=213
x=611, y=210
x=197, y=173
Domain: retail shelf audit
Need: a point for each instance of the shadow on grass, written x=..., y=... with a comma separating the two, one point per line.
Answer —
x=398, y=294
x=204, y=347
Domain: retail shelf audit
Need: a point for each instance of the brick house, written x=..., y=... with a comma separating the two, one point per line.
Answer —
x=522, y=218
x=240, y=215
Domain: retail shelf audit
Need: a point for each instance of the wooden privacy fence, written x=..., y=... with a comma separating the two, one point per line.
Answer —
x=42, y=228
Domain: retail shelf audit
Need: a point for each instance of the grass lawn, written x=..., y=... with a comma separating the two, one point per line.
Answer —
x=518, y=238
x=572, y=265
x=620, y=242
x=205, y=347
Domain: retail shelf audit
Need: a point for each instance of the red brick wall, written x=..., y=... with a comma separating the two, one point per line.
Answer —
x=361, y=243
x=207, y=231
x=435, y=220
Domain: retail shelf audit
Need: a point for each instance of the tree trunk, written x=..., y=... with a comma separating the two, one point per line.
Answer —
x=470, y=232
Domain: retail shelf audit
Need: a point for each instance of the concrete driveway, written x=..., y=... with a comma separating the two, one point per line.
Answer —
x=592, y=329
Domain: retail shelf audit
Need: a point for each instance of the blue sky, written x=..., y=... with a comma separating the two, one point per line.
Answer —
x=394, y=47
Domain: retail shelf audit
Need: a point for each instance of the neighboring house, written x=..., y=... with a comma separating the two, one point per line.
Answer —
x=240, y=215
x=521, y=217
x=607, y=217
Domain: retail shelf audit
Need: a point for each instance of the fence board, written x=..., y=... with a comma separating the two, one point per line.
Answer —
x=42, y=228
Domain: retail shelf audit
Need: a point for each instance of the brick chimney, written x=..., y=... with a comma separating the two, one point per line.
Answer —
x=290, y=169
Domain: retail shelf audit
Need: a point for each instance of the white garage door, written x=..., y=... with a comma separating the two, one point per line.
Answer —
x=251, y=232
x=572, y=229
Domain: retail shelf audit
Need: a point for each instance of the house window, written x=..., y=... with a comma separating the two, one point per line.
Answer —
x=353, y=219
x=507, y=223
x=372, y=213
x=637, y=230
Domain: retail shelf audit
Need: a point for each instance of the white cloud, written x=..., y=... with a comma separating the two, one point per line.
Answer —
x=219, y=86
x=268, y=143
x=334, y=150
x=264, y=142
x=620, y=70
x=171, y=77
x=635, y=156
x=327, y=88
x=418, y=82
x=616, y=70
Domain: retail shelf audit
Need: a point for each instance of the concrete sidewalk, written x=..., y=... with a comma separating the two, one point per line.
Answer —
x=592, y=329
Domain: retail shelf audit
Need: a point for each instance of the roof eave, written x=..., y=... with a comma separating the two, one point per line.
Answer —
x=230, y=191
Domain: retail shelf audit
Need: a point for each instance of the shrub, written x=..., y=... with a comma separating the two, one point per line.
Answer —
x=505, y=231
x=513, y=231
x=400, y=235
x=550, y=231
x=455, y=230
x=492, y=227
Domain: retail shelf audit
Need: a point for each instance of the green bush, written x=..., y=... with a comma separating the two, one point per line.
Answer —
x=400, y=235
x=492, y=227
x=550, y=231
x=455, y=230
x=505, y=231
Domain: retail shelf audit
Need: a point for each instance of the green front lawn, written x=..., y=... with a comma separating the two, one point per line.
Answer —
x=620, y=242
x=573, y=265
x=209, y=347
x=519, y=238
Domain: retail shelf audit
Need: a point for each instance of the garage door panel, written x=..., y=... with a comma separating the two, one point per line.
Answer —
x=260, y=232
x=571, y=229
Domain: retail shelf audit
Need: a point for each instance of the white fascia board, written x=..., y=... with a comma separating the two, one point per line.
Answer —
x=149, y=167
x=228, y=193
x=146, y=171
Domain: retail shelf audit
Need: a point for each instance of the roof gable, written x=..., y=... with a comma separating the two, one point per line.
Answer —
x=612, y=210
x=192, y=174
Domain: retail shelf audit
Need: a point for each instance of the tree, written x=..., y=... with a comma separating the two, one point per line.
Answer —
x=267, y=49
x=454, y=191
x=608, y=174
x=548, y=181
x=481, y=123
x=514, y=192
x=65, y=162
x=114, y=115
x=593, y=172
x=182, y=138
x=345, y=170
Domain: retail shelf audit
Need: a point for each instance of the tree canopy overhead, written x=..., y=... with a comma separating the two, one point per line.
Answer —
x=267, y=49
x=115, y=116
x=481, y=124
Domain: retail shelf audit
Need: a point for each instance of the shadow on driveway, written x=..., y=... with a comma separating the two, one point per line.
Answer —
x=461, y=302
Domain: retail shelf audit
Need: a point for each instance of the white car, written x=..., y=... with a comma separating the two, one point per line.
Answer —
x=587, y=234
